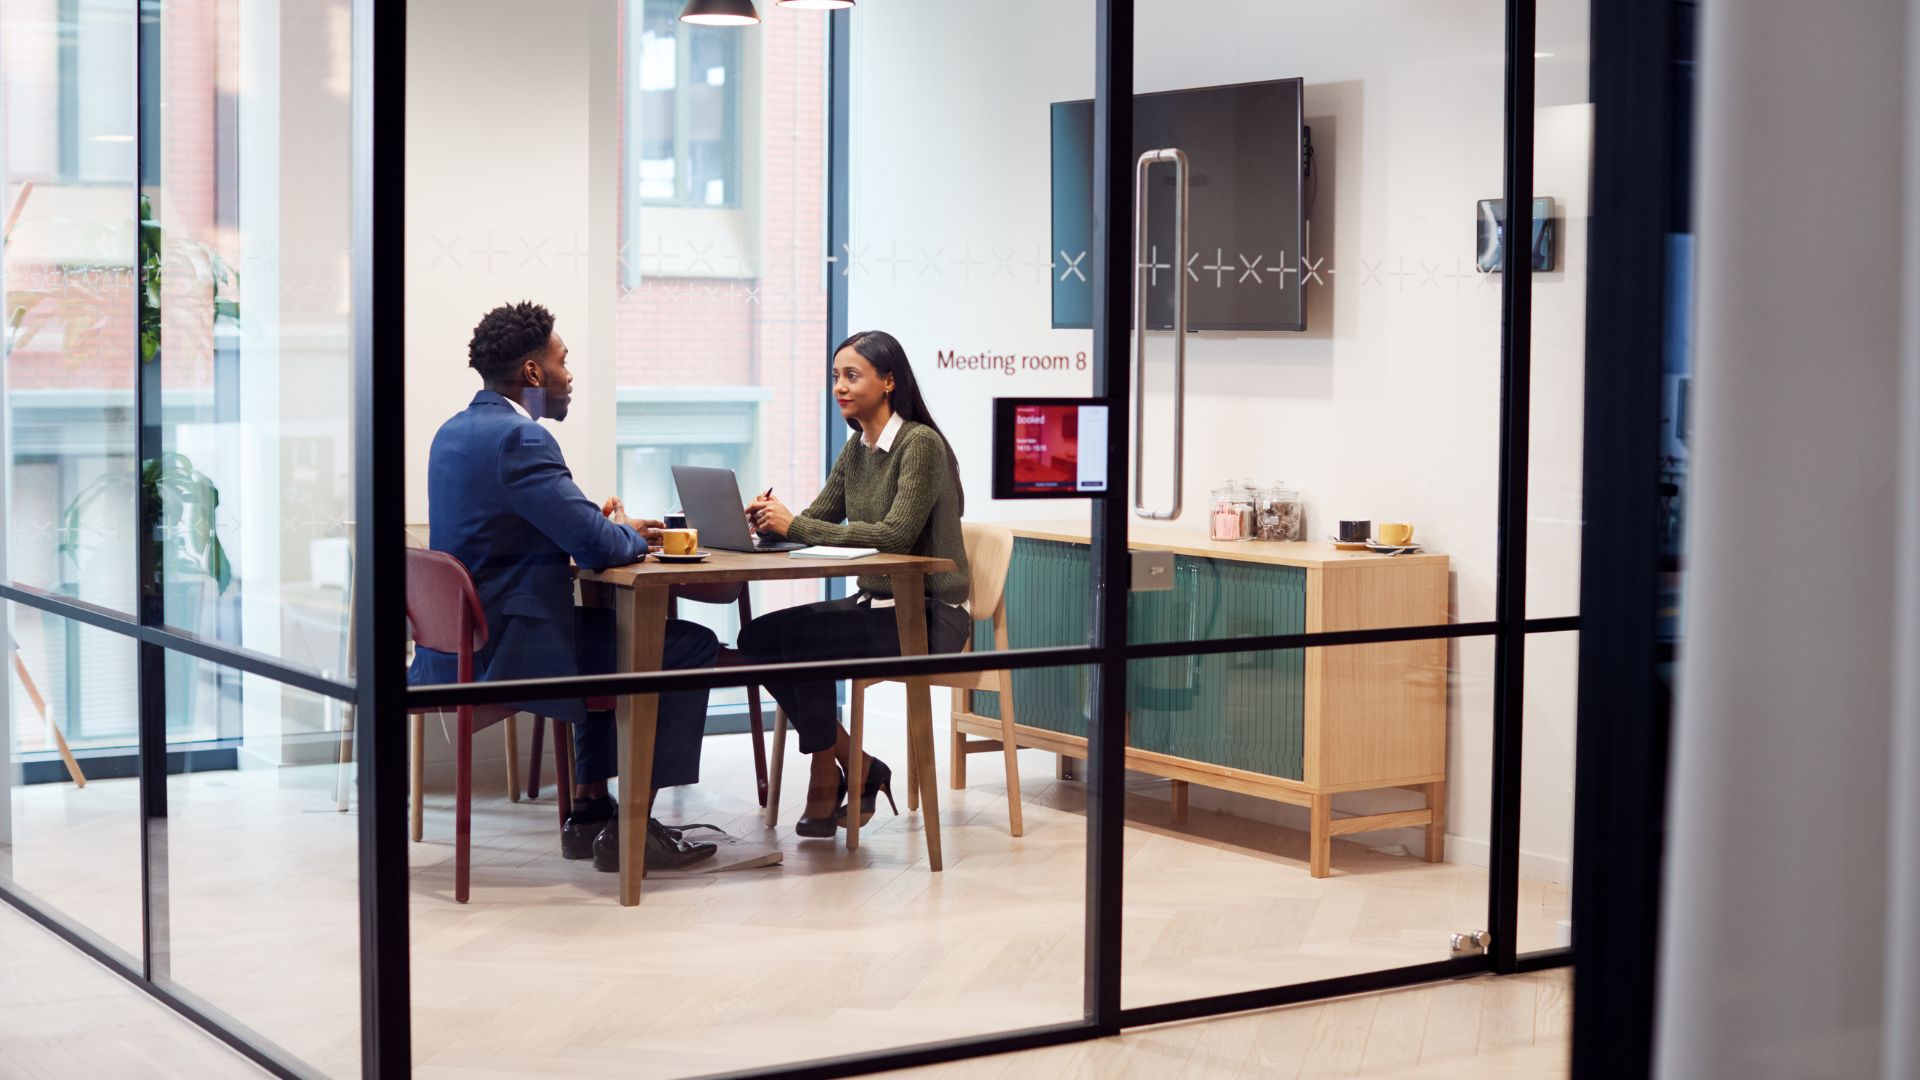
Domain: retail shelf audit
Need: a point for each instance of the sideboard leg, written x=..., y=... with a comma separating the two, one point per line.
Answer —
x=1062, y=767
x=1437, y=828
x=1179, y=800
x=1319, y=838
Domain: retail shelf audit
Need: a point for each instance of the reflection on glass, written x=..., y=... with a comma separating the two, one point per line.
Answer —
x=70, y=826
x=1546, y=791
x=1562, y=175
x=259, y=878
x=1303, y=814
x=250, y=199
x=734, y=963
x=67, y=201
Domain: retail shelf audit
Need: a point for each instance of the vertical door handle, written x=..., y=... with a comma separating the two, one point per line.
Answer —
x=1178, y=159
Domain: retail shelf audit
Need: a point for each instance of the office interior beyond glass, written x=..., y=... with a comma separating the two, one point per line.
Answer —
x=706, y=211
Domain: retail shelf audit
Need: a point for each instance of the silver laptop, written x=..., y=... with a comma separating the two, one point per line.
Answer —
x=711, y=500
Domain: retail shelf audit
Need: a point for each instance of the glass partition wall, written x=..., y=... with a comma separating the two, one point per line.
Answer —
x=242, y=286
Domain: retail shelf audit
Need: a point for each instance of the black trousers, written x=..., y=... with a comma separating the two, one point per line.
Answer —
x=683, y=714
x=836, y=630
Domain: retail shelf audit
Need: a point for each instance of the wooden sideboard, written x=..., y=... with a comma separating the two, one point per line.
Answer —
x=1296, y=725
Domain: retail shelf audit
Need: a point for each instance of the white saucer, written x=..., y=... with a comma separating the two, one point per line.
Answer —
x=1391, y=549
x=698, y=556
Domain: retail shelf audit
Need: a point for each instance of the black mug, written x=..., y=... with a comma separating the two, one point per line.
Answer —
x=675, y=520
x=1355, y=532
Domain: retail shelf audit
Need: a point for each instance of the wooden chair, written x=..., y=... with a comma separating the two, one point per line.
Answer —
x=989, y=554
x=40, y=706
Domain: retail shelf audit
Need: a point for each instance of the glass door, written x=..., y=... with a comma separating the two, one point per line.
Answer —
x=1319, y=699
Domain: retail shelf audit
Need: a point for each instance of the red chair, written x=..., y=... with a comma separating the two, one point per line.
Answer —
x=444, y=611
x=732, y=592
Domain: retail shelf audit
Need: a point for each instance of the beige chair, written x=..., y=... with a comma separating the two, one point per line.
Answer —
x=989, y=553
x=40, y=706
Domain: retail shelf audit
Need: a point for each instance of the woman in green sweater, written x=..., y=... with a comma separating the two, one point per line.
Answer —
x=895, y=487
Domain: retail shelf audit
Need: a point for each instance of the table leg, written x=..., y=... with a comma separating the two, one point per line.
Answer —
x=910, y=617
x=642, y=619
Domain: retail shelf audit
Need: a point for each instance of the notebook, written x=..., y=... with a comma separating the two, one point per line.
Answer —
x=818, y=552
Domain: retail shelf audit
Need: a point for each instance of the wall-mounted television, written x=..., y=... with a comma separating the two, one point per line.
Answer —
x=1247, y=146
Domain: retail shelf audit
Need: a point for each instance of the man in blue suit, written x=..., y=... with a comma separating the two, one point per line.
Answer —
x=503, y=502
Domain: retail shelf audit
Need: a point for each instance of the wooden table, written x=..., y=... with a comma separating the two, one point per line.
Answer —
x=638, y=595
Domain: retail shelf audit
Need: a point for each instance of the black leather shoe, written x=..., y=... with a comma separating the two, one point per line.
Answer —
x=665, y=849
x=588, y=818
x=878, y=780
x=824, y=827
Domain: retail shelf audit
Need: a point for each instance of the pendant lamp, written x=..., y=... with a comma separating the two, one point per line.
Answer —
x=720, y=13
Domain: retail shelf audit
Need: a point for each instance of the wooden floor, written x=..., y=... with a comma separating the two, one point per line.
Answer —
x=64, y=1018
x=833, y=953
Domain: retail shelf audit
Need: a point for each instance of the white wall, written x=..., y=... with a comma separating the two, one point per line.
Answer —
x=511, y=130
x=1386, y=407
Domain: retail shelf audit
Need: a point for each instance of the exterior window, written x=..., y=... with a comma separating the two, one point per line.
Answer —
x=683, y=100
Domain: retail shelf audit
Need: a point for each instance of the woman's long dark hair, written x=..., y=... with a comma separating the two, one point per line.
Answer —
x=888, y=357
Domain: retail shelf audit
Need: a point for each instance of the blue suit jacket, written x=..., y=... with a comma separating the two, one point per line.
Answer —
x=503, y=502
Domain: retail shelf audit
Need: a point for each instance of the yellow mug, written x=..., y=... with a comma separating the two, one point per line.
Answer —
x=679, y=541
x=1395, y=533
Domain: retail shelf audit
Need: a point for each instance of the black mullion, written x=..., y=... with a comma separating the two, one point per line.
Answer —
x=839, y=217
x=244, y=1041
x=379, y=586
x=1113, y=280
x=173, y=640
x=1544, y=959
x=1510, y=601
x=149, y=583
x=1365, y=982
x=447, y=695
x=1621, y=740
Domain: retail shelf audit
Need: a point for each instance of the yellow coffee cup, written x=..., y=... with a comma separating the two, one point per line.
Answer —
x=1395, y=533
x=679, y=541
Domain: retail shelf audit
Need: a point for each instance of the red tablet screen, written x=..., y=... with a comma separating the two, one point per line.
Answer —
x=1047, y=444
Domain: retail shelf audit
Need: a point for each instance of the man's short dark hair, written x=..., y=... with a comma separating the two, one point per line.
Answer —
x=505, y=337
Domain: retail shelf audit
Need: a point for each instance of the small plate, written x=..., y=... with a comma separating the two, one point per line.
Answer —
x=1348, y=545
x=698, y=556
x=1392, y=549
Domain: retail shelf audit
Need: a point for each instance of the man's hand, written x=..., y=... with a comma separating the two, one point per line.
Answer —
x=770, y=515
x=615, y=511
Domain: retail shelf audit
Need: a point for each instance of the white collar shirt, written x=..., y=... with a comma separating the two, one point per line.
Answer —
x=884, y=443
x=517, y=407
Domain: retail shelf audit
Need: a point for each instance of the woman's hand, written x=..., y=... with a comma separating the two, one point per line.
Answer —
x=769, y=515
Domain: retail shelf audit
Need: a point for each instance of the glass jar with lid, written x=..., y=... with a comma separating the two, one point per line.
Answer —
x=1231, y=515
x=1280, y=513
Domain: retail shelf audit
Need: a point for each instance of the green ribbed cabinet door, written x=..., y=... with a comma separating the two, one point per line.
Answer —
x=1240, y=710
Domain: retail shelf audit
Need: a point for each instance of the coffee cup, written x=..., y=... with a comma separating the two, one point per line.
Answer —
x=1355, y=532
x=679, y=541
x=1396, y=533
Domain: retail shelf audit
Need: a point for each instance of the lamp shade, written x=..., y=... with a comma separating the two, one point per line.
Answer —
x=720, y=13
x=815, y=5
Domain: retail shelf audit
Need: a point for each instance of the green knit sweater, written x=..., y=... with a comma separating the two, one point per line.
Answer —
x=901, y=501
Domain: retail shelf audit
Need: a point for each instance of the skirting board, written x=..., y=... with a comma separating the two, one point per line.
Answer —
x=1470, y=851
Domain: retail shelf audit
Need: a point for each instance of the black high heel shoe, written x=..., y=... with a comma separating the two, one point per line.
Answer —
x=878, y=781
x=823, y=827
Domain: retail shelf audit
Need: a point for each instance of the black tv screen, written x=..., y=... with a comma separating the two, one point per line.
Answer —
x=1248, y=233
